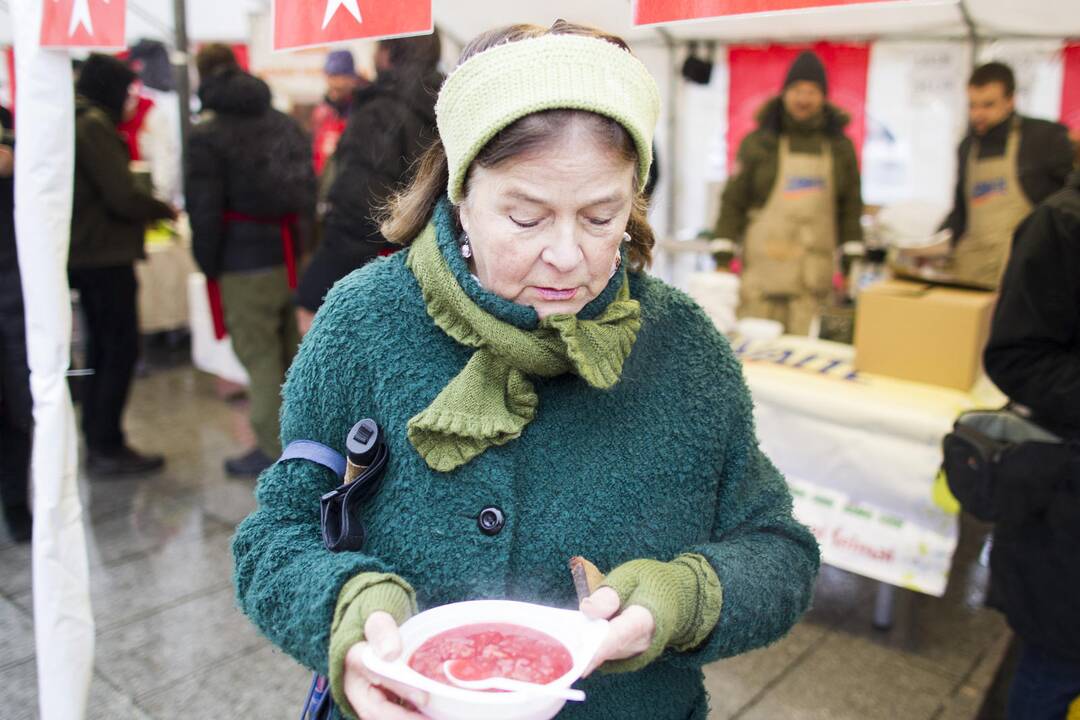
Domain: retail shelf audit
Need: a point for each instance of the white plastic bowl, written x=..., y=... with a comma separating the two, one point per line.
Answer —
x=580, y=635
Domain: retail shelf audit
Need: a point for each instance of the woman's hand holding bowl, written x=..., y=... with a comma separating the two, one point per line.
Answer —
x=629, y=631
x=374, y=697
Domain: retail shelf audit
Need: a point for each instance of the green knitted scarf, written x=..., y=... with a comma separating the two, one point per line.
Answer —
x=492, y=400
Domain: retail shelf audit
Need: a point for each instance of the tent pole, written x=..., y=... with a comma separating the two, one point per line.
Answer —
x=181, y=61
x=973, y=33
x=672, y=130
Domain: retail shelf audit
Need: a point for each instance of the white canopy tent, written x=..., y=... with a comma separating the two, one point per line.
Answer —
x=689, y=117
x=214, y=20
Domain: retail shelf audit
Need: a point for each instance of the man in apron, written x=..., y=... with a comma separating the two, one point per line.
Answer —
x=1007, y=165
x=794, y=196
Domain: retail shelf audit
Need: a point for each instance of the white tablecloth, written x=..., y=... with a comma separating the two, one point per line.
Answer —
x=861, y=455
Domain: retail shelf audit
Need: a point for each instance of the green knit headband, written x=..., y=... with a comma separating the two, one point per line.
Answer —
x=507, y=82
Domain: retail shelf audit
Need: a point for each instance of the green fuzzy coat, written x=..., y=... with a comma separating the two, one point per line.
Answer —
x=664, y=463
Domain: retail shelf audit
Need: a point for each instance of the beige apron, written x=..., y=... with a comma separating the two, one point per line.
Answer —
x=789, y=248
x=996, y=205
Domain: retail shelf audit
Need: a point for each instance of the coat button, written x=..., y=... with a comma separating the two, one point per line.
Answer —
x=491, y=520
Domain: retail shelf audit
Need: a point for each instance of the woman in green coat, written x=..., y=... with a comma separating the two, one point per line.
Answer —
x=542, y=398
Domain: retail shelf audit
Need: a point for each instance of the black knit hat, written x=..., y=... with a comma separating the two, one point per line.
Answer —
x=807, y=67
x=104, y=80
x=156, y=71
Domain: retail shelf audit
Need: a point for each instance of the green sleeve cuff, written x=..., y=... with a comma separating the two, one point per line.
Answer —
x=361, y=596
x=684, y=597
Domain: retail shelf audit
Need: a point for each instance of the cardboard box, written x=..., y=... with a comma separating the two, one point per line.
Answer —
x=924, y=333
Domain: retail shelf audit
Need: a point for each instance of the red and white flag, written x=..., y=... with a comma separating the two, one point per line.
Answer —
x=83, y=23
x=305, y=23
x=651, y=12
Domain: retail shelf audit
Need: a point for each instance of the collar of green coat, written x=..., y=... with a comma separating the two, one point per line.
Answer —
x=491, y=400
x=520, y=316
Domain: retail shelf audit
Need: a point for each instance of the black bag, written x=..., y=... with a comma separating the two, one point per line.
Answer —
x=991, y=450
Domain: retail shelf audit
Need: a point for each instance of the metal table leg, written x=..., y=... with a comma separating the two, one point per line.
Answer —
x=884, y=606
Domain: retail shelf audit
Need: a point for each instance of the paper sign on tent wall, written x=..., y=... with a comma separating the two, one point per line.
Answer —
x=83, y=24
x=306, y=23
x=1070, y=93
x=757, y=75
x=650, y=12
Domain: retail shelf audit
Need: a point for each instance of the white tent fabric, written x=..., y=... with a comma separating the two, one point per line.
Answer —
x=214, y=20
x=462, y=19
x=63, y=622
x=903, y=18
x=206, y=19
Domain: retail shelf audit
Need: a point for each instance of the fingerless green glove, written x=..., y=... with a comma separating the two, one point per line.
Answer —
x=359, y=598
x=684, y=597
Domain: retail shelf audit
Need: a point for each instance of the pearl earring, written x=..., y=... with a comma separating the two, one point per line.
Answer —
x=466, y=248
x=626, y=237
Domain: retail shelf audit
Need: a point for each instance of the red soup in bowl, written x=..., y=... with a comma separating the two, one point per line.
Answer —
x=486, y=650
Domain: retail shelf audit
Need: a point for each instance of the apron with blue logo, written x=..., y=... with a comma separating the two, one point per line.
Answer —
x=790, y=243
x=996, y=205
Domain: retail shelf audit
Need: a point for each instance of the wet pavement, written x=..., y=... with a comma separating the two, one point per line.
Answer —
x=171, y=643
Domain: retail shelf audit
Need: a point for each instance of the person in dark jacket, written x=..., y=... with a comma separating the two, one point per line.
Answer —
x=1006, y=164
x=793, y=198
x=1034, y=357
x=16, y=407
x=392, y=122
x=109, y=214
x=250, y=187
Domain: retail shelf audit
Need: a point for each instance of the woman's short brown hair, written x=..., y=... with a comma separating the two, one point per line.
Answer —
x=408, y=212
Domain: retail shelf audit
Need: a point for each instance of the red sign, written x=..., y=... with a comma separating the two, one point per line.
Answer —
x=304, y=23
x=1070, y=93
x=9, y=59
x=650, y=12
x=82, y=23
x=757, y=76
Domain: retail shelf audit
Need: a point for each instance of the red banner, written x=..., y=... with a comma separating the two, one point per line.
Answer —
x=9, y=59
x=758, y=72
x=650, y=12
x=83, y=23
x=305, y=23
x=1070, y=92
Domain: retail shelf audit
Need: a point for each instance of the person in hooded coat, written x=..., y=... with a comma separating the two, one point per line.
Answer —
x=250, y=188
x=109, y=214
x=391, y=123
x=793, y=197
x=1033, y=355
